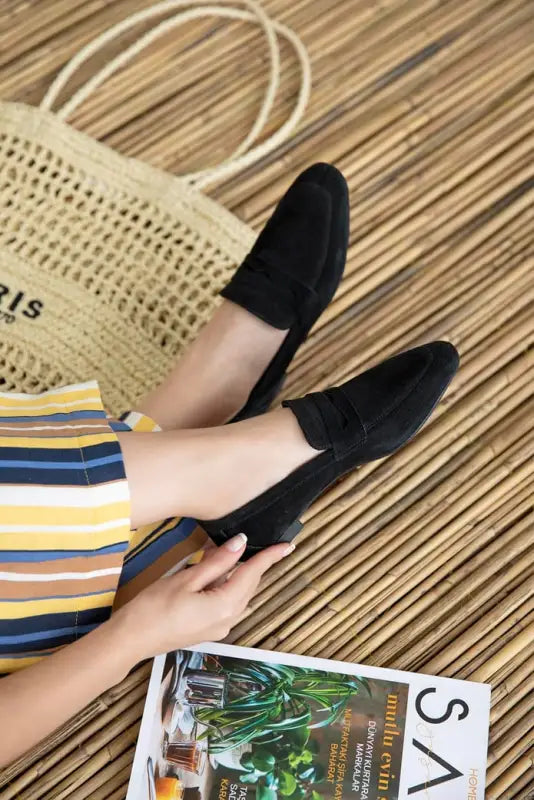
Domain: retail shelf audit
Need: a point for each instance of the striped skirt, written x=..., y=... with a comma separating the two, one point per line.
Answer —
x=67, y=550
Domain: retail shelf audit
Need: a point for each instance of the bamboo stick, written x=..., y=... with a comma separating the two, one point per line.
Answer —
x=119, y=793
x=49, y=20
x=338, y=587
x=90, y=716
x=487, y=670
x=412, y=658
x=509, y=748
x=458, y=394
x=514, y=713
x=511, y=676
x=483, y=26
x=388, y=543
x=77, y=743
x=115, y=783
x=367, y=551
x=277, y=191
x=349, y=365
x=192, y=136
x=328, y=540
x=488, y=645
x=442, y=215
x=415, y=295
x=498, y=347
x=42, y=61
x=458, y=307
x=523, y=787
x=99, y=782
x=99, y=750
x=507, y=779
x=461, y=546
x=441, y=246
x=364, y=557
x=381, y=645
x=439, y=267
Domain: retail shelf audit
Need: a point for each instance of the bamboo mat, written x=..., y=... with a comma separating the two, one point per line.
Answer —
x=422, y=561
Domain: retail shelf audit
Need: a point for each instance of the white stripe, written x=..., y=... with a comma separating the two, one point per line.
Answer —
x=133, y=417
x=64, y=496
x=51, y=425
x=72, y=387
x=82, y=402
x=20, y=577
x=66, y=529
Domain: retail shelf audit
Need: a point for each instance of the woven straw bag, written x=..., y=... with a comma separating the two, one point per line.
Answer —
x=108, y=266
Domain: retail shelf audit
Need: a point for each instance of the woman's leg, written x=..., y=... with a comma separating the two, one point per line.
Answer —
x=206, y=473
x=287, y=280
x=213, y=379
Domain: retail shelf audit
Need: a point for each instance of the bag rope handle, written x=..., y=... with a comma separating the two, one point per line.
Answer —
x=122, y=58
x=242, y=156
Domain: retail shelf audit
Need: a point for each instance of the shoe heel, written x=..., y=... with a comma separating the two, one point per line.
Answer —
x=290, y=533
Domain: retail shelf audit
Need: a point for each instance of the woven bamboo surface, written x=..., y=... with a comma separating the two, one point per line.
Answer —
x=422, y=561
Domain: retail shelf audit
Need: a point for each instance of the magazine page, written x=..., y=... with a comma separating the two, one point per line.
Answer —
x=231, y=723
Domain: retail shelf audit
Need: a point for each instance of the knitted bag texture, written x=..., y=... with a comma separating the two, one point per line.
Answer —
x=108, y=266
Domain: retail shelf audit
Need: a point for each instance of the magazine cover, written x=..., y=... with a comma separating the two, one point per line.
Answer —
x=232, y=723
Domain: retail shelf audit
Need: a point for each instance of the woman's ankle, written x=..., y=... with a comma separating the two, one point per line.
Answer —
x=212, y=381
x=208, y=473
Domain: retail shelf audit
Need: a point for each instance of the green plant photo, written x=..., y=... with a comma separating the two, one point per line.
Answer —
x=275, y=710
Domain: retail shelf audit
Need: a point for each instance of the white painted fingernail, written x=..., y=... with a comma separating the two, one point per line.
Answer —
x=236, y=543
x=289, y=549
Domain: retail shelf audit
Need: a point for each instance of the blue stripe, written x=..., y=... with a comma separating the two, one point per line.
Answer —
x=79, y=477
x=155, y=549
x=154, y=533
x=38, y=556
x=118, y=426
x=33, y=637
x=94, y=462
x=60, y=417
x=53, y=641
x=62, y=619
x=89, y=452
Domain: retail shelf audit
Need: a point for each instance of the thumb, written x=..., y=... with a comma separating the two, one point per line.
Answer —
x=217, y=562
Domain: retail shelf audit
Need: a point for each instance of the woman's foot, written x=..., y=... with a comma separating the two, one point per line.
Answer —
x=237, y=364
x=259, y=475
x=369, y=417
x=210, y=471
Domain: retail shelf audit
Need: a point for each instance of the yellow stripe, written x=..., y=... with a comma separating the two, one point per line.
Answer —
x=141, y=535
x=196, y=558
x=14, y=664
x=6, y=399
x=49, y=606
x=23, y=411
x=145, y=425
x=68, y=540
x=42, y=515
x=58, y=442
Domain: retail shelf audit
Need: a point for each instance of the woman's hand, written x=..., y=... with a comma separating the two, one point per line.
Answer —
x=197, y=604
x=192, y=606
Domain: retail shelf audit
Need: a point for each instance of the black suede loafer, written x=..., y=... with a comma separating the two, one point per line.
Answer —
x=294, y=269
x=369, y=417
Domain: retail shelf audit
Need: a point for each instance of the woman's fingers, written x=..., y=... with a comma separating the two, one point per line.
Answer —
x=240, y=587
x=216, y=563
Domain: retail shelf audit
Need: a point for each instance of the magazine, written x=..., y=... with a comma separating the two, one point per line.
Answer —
x=231, y=723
